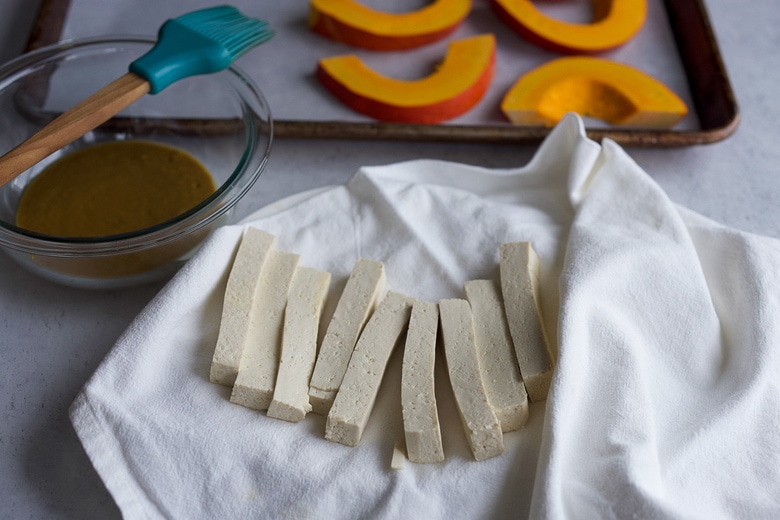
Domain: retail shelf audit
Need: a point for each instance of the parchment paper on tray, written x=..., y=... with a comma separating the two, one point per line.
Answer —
x=665, y=401
x=284, y=67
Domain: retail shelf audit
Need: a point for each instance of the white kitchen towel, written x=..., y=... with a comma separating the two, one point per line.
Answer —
x=664, y=403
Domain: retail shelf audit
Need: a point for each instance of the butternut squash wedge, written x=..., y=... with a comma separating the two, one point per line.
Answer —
x=457, y=84
x=615, y=22
x=354, y=24
x=593, y=87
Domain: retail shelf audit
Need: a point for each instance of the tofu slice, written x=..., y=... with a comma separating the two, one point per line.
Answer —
x=519, y=266
x=398, y=460
x=254, y=386
x=358, y=300
x=480, y=424
x=497, y=362
x=239, y=300
x=349, y=414
x=418, y=400
x=299, y=344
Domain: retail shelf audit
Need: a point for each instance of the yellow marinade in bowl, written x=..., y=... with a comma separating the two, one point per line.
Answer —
x=125, y=213
x=113, y=188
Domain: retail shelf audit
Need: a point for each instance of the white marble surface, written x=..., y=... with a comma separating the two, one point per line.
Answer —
x=52, y=338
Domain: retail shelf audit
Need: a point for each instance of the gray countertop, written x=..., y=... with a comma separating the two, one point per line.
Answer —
x=52, y=338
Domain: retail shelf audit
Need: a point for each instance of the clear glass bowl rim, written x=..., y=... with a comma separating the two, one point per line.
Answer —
x=239, y=182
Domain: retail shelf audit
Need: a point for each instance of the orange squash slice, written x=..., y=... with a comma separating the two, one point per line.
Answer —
x=354, y=24
x=615, y=22
x=458, y=83
x=592, y=87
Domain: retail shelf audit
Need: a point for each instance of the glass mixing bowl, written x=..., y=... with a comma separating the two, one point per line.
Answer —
x=221, y=119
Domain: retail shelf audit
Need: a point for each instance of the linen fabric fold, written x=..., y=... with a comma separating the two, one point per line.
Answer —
x=664, y=401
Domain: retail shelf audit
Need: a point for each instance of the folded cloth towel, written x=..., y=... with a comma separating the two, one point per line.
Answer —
x=664, y=402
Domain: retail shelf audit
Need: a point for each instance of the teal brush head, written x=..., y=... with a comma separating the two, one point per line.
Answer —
x=200, y=42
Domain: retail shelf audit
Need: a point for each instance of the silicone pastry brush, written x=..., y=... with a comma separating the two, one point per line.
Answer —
x=201, y=42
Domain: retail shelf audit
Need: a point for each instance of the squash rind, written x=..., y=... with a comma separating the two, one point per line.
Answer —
x=354, y=24
x=615, y=23
x=455, y=87
x=605, y=89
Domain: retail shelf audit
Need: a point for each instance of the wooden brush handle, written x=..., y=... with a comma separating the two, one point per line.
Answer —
x=74, y=123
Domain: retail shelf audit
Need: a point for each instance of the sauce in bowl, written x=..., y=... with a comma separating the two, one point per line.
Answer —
x=113, y=188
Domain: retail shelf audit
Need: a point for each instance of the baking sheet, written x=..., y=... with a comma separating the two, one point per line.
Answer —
x=675, y=40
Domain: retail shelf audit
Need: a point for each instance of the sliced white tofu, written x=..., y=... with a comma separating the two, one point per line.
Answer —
x=398, y=460
x=497, y=360
x=418, y=400
x=519, y=266
x=355, y=399
x=254, y=386
x=239, y=300
x=299, y=344
x=358, y=300
x=480, y=424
